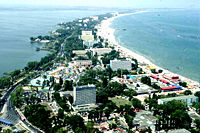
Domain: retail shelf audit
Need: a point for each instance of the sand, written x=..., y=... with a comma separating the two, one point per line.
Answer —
x=107, y=32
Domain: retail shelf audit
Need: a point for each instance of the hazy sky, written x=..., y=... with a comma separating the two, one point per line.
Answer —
x=110, y=3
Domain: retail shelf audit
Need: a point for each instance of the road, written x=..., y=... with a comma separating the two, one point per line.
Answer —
x=10, y=113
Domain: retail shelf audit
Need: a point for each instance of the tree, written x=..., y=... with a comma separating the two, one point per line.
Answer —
x=56, y=87
x=182, y=119
x=184, y=84
x=40, y=117
x=130, y=93
x=68, y=85
x=146, y=80
x=137, y=103
x=5, y=82
x=197, y=122
x=60, y=113
x=76, y=121
x=107, y=112
x=197, y=94
x=61, y=81
x=16, y=97
x=89, y=54
x=187, y=92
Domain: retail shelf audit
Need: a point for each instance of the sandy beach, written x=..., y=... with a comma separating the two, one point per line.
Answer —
x=107, y=32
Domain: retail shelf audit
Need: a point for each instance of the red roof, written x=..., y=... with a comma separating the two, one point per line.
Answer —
x=103, y=128
x=153, y=76
x=164, y=81
x=169, y=88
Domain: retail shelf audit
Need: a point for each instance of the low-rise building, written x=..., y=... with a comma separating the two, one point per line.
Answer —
x=187, y=99
x=79, y=52
x=144, y=120
x=101, y=51
x=120, y=64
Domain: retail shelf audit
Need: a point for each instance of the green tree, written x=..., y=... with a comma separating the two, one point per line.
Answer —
x=187, y=92
x=40, y=117
x=184, y=84
x=137, y=103
x=68, y=85
x=76, y=121
x=197, y=94
x=130, y=93
x=56, y=87
x=197, y=122
x=146, y=80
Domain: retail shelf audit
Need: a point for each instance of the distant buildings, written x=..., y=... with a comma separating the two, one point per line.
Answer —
x=101, y=51
x=84, y=97
x=187, y=99
x=83, y=62
x=94, y=18
x=120, y=64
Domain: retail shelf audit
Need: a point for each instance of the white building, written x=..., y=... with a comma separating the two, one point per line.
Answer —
x=187, y=99
x=84, y=95
x=120, y=64
x=79, y=52
x=101, y=51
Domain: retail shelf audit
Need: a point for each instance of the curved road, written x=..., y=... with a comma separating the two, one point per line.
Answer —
x=11, y=114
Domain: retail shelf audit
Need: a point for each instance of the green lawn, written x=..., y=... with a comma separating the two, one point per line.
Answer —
x=119, y=101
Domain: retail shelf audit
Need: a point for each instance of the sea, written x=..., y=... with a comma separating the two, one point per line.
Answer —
x=18, y=24
x=168, y=38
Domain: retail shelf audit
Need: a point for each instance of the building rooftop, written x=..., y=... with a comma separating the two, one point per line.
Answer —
x=179, y=131
x=178, y=98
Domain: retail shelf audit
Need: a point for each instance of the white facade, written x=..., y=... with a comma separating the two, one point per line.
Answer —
x=120, y=64
x=187, y=99
x=101, y=51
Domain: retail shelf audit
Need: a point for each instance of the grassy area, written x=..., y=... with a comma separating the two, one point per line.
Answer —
x=119, y=101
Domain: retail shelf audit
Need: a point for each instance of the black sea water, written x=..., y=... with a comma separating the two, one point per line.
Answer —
x=169, y=38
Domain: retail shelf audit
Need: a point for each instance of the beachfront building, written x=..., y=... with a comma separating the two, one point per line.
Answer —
x=100, y=51
x=87, y=35
x=141, y=88
x=120, y=64
x=187, y=99
x=84, y=97
x=83, y=62
x=170, y=76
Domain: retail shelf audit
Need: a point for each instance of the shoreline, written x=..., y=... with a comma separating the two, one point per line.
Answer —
x=107, y=32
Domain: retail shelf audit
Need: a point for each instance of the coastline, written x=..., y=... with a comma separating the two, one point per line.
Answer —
x=107, y=32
